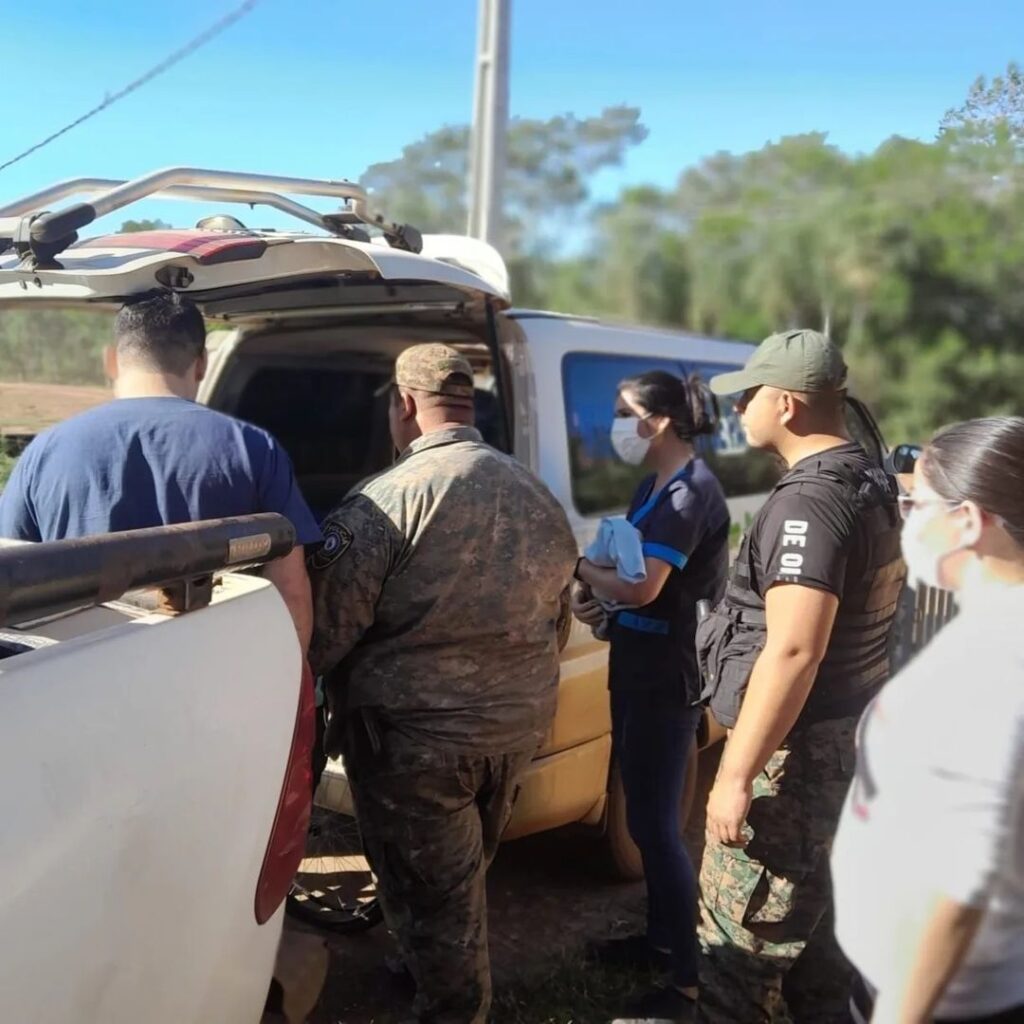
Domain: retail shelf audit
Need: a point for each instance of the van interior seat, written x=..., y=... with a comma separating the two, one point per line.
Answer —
x=333, y=422
x=488, y=417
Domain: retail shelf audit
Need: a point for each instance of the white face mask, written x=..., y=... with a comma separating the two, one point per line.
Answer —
x=924, y=566
x=626, y=440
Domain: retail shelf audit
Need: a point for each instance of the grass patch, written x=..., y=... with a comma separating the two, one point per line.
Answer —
x=571, y=992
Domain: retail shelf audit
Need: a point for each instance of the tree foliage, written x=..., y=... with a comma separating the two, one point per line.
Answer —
x=143, y=225
x=550, y=167
x=993, y=110
x=911, y=256
x=53, y=346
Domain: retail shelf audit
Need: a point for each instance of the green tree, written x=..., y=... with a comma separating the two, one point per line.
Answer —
x=143, y=225
x=53, y=345
x=911, y=256
x=993, y=110
x=764, y=240
x=908, y=256
x=550, y=165
x=641, y=268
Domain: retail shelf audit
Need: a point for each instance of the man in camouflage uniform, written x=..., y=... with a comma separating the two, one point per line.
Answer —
x=791, y=657
x=437, y=593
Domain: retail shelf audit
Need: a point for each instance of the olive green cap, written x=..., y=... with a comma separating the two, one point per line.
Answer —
x=793, y=361
x=437, y=369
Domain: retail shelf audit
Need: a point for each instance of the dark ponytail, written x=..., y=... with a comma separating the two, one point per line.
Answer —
x=687, y=402
x=981, y=461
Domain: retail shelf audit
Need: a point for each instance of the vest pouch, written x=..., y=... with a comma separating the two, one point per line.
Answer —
x=737, y=662
x=727, y=648
x=713, y=634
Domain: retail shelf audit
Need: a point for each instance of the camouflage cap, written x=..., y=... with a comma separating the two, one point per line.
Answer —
x=800, y=360
x=437, y=369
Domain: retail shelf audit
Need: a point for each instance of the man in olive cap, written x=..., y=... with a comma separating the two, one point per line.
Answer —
x=437, y=593
x=790, y=658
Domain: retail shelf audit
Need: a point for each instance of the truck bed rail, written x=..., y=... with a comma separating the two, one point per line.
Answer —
x=37, y=580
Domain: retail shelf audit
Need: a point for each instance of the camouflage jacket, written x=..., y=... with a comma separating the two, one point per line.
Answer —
x=437, y=592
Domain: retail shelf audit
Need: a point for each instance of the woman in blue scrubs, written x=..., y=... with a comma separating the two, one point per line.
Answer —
x=681, y=514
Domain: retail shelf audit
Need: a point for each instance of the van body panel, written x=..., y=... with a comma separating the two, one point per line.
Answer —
x=583, y=703
x=562, y=788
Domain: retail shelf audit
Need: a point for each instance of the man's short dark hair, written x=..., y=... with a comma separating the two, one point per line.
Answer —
x=161, y=331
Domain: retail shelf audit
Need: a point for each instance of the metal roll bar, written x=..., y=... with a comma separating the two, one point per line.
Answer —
x=45, y=234
x=49, y=227
x=194, y=193
x=59, y=190
x=45, y=579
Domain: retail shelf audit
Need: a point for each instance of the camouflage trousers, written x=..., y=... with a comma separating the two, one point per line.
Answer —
x=766, y=928
x=431, y=821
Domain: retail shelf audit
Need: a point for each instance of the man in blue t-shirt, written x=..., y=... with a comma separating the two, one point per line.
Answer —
x=155, y=457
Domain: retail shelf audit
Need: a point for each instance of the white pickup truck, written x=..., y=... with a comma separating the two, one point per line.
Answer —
x=156, y=776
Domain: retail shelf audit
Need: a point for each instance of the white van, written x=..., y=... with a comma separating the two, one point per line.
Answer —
x=307, y=329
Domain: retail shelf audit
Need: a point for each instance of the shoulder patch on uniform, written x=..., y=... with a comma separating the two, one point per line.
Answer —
x=337, y=540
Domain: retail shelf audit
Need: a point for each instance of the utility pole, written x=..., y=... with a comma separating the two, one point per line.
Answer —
x=490, y=123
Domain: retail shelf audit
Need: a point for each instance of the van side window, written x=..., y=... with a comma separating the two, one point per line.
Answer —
x=601, y=483
x=742, y=471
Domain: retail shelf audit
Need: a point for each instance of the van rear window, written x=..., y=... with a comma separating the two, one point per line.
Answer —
x=329, y=421
x=601, y=483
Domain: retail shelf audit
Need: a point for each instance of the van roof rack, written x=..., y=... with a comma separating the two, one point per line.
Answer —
x=40, y=235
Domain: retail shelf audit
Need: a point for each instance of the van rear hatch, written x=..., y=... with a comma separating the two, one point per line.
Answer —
x=235, y=273
x=247, y=275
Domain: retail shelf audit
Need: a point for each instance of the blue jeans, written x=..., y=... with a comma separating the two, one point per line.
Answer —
x=652, y=730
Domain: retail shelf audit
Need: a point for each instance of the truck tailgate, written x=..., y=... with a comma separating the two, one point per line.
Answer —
x=142, y=769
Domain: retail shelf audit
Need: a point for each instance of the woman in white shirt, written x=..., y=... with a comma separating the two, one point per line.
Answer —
x=928, y=864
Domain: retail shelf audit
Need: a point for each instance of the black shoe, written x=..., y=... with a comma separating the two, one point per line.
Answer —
x=632, y=951
x=662, y=1006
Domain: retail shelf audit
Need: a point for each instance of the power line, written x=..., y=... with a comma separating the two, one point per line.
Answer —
x=168, y=62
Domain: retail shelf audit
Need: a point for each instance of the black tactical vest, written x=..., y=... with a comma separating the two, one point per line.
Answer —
x=856, y=663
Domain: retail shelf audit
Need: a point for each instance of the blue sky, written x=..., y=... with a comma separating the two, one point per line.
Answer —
x=327, y=87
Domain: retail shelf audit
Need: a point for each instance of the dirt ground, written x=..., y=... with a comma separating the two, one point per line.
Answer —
x=548, y=896
x=28, y=408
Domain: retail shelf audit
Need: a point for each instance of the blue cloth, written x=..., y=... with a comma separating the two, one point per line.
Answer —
x=619, y=546
x=140, y=462
x=651, y=735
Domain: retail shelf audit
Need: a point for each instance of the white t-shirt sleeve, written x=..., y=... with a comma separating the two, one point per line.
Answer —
x=975, y=798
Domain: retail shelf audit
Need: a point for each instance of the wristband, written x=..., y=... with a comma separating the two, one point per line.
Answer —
x=576, y=572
